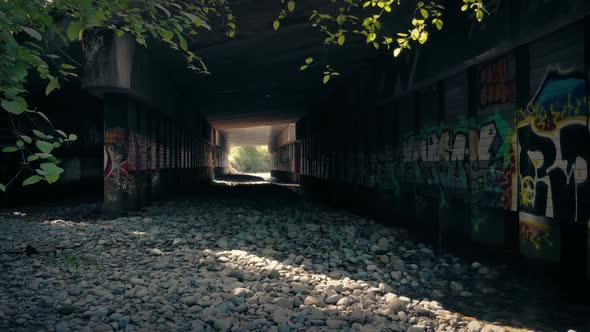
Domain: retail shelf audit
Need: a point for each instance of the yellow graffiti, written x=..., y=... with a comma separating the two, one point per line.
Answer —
x=527, y=191
x=535, y=232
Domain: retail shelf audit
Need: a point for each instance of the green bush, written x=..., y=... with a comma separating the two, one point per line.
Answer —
x=249, y=159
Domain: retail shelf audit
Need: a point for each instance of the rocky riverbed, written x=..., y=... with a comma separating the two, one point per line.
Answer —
x=238, y=263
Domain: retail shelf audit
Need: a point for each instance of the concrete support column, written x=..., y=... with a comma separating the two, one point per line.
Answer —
x=169, y=152
x=142, y=147
x=149, y=155
x=135, y=184
x=156, y=134
x=118, y=183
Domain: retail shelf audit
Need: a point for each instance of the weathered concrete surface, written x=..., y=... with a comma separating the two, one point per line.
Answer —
x=246, y=258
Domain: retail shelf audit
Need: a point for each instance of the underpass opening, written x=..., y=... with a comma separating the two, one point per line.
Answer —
x=250, y=160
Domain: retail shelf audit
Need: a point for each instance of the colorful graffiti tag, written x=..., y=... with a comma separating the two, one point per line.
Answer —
x=553, y=140
x=535, y=230
x=474, y=159
x=115, y=162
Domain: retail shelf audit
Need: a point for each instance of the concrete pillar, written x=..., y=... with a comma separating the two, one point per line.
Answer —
x=118, y=183
x=135, y=184
x=142, y=142
x=151, y=147
x=156, y=133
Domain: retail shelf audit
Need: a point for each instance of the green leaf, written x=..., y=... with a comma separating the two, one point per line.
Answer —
x=166, y=34
x=326, y=78
x=291, y=6
x=67, y=66
x=61, y=133
x=12, y=92
x=53, y=84
x=32, y=158
x=32, y=180
x=371, y=36
x=9, y=149
x=423, y=37
x=72, y=137
x=276, y=24
x=51, y=178
x=44, y=147
x=341, y=40
x=51, y=169
x=424, y=13
x=43, y=116
x=464, y=7
x=309, y=60
x=479, y=15
x=26, y=139
x=182, y=42
x=32, y=32
x=17, y=106
x=194, y=18
x=163, y=9
x=18, y=72
x=439, y=24
x=44, y=155
x=39, y=134
x=304, y=67
x=74, y=31
x=20, y=144
x=396, y=52
x=2, y=187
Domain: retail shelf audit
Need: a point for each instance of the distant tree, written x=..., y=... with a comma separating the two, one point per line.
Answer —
x=33, y=34
x=249, y=159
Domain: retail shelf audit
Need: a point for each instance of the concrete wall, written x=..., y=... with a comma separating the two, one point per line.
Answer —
x=284, y=162
x=491, y=150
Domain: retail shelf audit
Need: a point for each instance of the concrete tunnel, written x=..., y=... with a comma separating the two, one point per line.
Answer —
x=477, y=142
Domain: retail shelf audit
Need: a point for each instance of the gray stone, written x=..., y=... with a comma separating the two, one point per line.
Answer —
x=222, y=324
x=274, y=274
x=65, y=309
x=333, y=299
x=416, y=328
x=357, y=316
x=75, y=290
x=243, y=292
x=236, y=274
x=313, y=300
x=455, y=286
x=474, y=326
x=62, y=327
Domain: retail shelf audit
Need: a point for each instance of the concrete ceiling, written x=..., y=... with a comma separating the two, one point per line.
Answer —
x=258, y=135
x=255, y=83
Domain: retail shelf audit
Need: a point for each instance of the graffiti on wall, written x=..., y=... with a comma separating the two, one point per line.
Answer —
x=115, y=161
x=553, y=141
x=496, y=85
x=474, y=159
x=536, y=231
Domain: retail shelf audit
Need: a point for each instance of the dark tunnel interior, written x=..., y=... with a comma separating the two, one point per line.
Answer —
x=444, y=189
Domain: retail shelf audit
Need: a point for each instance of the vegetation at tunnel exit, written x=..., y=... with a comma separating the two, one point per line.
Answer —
x=35, y=34
x=249, y=159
